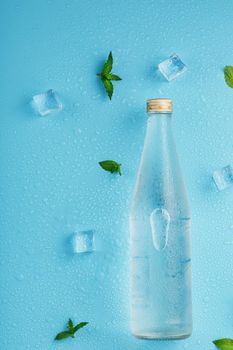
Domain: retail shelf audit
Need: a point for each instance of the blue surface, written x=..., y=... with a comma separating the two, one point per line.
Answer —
x=50, y=181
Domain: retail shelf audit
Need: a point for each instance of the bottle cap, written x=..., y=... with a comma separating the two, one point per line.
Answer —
x=159, y=105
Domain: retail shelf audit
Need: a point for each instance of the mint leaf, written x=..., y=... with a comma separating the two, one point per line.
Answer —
x=224, y=344
x=71, y=330
x=108, y=64
x=63, y=335
x=108, y=87
x=113, y=77
x=111, y=166
x=70, y=325
x=80, y=325
x=119, y=169
x=228, y=75
x=106, y=76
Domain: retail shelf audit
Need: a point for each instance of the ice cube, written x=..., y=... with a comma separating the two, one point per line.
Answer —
x=46, y=103
x=172, y=67
x=83, y=242
x=223, y=177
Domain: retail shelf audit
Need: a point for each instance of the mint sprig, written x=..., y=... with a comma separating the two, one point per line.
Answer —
x=224, y=344
x=71, y=330
x=111, y=166
x=228, y=75
x=107, y=77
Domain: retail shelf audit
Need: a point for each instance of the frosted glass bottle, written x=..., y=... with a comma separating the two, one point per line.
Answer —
x=160, y=236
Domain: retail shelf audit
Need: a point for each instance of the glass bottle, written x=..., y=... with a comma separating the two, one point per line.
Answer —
x=160, y=236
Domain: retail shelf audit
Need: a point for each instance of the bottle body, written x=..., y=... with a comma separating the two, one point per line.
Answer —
x=160, y=240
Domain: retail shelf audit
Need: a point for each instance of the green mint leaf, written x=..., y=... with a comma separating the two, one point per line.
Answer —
x=111, y=76
x=111, y=166
x=224, y=344
x=70, y=325
x=119, y=169
x=108, y=65
x=106, y=76
x=228, y=75
x=63, y=335
x=71, y=330
x=80, y=325
x=108, y=87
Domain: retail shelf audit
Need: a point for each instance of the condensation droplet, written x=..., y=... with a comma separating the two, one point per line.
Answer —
x=160, y=221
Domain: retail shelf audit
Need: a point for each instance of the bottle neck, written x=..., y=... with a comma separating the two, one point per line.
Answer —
x=159, y=114
x=160, y=122
x=159, y=134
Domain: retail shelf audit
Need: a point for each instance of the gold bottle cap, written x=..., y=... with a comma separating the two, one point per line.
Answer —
x=159, y=105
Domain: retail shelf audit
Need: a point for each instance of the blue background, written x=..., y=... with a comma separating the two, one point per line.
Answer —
x=51, y=183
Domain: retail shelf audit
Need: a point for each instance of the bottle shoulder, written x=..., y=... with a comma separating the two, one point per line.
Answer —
x=159, y=180
x=161, y=185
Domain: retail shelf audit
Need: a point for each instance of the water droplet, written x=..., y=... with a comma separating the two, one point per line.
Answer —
x=160, y=221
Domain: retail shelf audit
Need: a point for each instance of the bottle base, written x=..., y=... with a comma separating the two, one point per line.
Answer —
x=161, y=336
